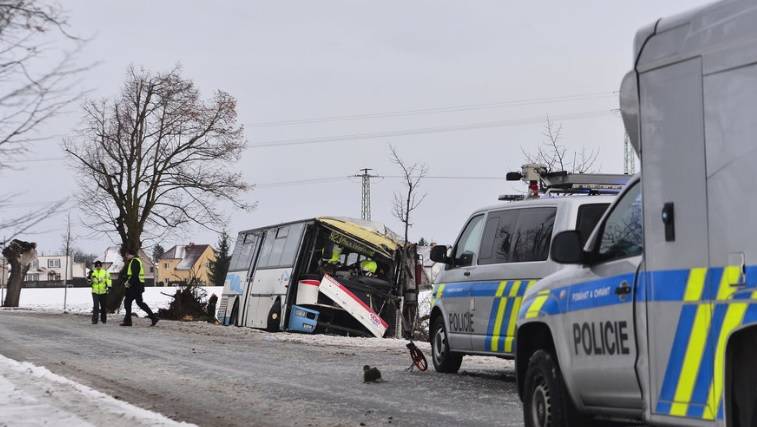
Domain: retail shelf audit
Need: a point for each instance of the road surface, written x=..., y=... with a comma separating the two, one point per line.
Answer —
x=226, y=376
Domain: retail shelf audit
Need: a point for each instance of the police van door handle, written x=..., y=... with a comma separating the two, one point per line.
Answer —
x=466, y=273
x=623, y=289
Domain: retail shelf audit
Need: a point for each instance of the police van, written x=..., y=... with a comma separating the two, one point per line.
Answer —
x=500, y=253
x=654, y=318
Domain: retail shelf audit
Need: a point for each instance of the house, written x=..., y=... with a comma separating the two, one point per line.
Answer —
x=113, y=262
x=181, y=263
x=55, y=268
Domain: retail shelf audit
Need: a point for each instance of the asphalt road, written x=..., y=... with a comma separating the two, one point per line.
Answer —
x=219, y=376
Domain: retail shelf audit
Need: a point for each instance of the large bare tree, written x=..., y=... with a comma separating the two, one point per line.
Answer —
x=157, y=157
x=556, y=157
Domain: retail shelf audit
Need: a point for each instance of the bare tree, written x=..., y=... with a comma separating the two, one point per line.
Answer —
x=20, y=255
x=157, y=157
x=36, y=78
x=555, y=156
x=406, y=203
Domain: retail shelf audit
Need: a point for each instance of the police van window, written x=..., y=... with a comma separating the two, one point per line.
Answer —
x=243, y=251
x=622, y=233
x=588, y=217
x=533, y=234
x=495, y=247
x=470, y=240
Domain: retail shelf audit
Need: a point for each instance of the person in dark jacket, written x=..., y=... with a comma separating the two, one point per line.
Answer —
x=134, y=282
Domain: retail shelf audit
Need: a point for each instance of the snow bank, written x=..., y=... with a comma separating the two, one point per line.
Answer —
x=79, y=300
x=32, y=395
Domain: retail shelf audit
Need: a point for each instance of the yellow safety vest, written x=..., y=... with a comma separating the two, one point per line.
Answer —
x=141, y=270
x=100, y=281
x=336, y=253
x=369, y=266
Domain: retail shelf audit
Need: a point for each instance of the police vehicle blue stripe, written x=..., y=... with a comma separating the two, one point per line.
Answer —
x=663, y=407
x=484, y=289
x=668, y=285
x=713, y=283
x=677, y=352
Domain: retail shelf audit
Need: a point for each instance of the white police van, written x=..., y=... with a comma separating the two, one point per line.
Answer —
x=501, y=251
x=654, y=318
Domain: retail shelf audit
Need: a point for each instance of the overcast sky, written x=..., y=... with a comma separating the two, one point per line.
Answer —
x=468, y=85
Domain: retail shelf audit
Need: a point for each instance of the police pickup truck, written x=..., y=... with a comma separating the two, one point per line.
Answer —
x=501, y=251
x=655, y=316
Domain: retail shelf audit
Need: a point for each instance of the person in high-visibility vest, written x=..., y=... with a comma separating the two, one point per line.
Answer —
x=369, y=267
x=100, y=282
x=134, y=283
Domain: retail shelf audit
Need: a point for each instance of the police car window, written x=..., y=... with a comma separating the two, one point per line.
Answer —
x=622, y=233
x=467, y=247
x=533, y=234
x=495, y=247
x=588, y=217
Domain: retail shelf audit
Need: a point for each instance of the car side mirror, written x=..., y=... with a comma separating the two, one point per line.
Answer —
x=567, y=248
x=439, y=254
x=465, y=259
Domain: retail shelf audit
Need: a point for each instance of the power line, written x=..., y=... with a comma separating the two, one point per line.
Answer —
x=334, y=179
x=426, y=130
x=433, y=110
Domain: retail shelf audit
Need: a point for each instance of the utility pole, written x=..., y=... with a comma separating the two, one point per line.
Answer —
x=66, y=263
x=365, y=209
x=2, y=274
x=629, y=157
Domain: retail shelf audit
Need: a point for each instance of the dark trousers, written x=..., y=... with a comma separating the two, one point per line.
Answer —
x=134, y=295
x=98, y=307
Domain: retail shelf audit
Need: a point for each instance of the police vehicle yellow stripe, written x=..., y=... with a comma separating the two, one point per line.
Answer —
x=733, y=319
x=439, y=292
x=535, y=308
x=500, y=313
x=697, y=342
x=510, y=336
x=695, y=284
x=731, y=276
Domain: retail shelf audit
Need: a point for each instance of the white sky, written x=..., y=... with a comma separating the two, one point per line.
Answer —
x=291, y=60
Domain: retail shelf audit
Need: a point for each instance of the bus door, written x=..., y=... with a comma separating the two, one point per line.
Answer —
x=271, y=276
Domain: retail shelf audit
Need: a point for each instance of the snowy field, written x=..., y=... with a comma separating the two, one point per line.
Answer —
x=39, y=397
x=79, y=300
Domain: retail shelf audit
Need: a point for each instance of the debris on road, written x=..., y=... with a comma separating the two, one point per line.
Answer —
x=188, y=304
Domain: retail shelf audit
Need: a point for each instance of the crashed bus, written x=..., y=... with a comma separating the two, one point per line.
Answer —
x=326, y=274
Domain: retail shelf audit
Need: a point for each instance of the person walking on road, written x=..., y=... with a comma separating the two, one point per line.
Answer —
x=100, y=282
x=135, y=286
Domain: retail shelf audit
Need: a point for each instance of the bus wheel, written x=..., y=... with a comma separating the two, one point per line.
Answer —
x=546, y=402
x=444, y=360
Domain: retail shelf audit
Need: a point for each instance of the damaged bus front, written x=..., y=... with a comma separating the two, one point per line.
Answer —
x=326, y=274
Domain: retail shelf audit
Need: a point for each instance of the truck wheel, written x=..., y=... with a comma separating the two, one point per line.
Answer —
x=444, y=360
x=546, y=401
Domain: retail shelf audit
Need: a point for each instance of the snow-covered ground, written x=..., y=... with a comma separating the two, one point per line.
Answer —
x=33, y=396
x=79, y=300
